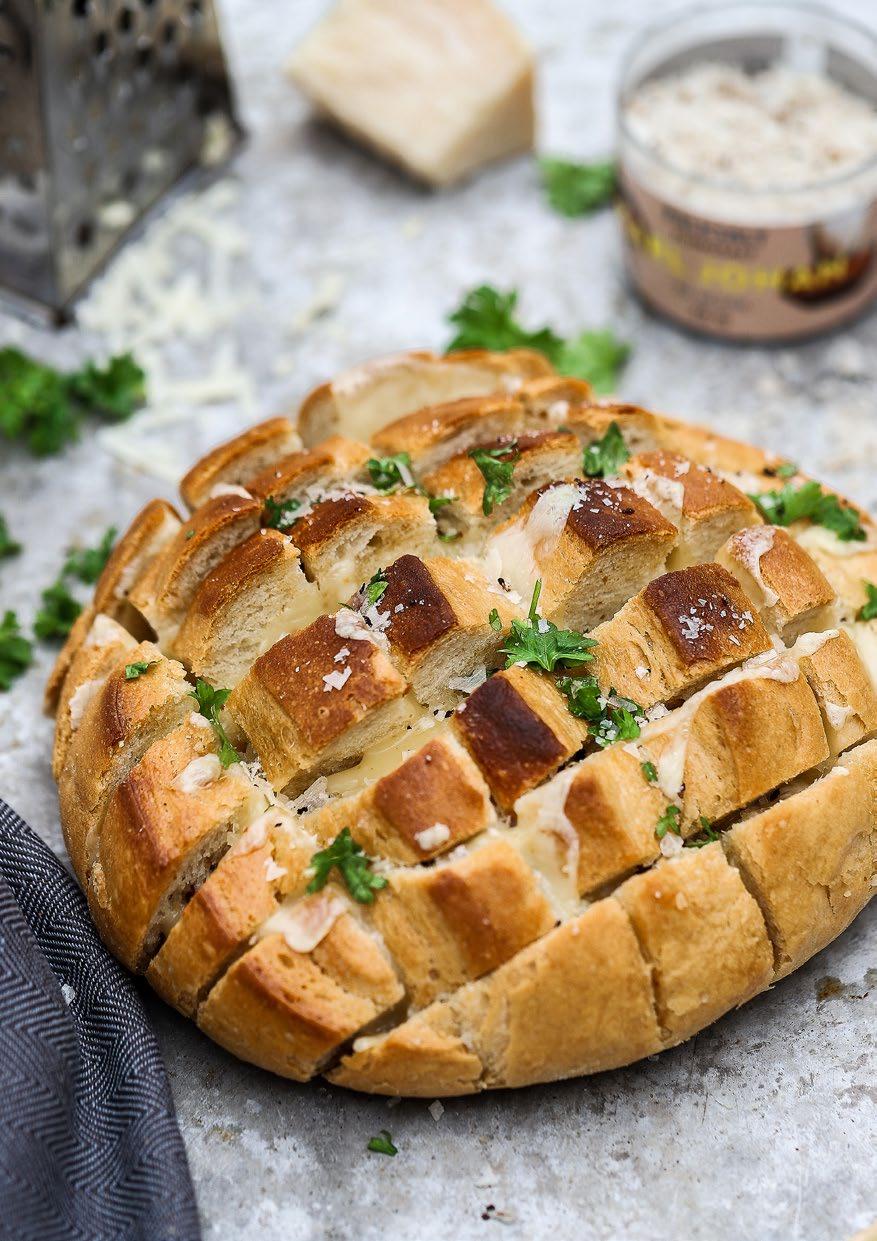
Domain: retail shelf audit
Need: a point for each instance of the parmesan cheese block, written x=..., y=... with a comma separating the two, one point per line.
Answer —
x=439, y=87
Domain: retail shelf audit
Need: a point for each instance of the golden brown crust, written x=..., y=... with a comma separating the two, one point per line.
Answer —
x=101, y=649
x=517, y=728
x=118, y=725
x=811, y=859
x=684, y=629
x=267, y=863
x=175, y=814
x=322, y=468
x=235, y=462
x=591, y=545
x=460, y=919
x=789, y=589
x=150, y=531
x=435, y=799
x=165, y=591
x=256, y=594
x=304, y=694
x=477, y=961
x=304, y=1005
x=368, y=397
x=704, y=936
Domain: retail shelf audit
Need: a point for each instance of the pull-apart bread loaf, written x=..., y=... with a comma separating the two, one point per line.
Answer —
x=471, y=732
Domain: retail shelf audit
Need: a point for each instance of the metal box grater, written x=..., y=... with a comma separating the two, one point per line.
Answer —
x=104, y=105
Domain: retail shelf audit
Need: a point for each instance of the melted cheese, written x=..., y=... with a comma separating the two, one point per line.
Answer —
x=198, y=774
x=519, y=551
x=386, y=757
x=817, y=538
x=864, y=635
x=305, y=922
x=548, y=842
x=751, y=545
x=670, y=763
x=80, y=699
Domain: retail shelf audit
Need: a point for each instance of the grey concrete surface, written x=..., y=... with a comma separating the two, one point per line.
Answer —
x=764, y=1128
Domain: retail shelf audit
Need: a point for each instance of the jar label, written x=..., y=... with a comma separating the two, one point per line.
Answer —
x=748, y=283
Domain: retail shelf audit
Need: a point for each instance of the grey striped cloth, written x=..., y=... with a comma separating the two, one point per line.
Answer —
x=89, y=1144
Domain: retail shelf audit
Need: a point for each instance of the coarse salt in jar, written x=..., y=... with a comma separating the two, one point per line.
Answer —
x=747, y=156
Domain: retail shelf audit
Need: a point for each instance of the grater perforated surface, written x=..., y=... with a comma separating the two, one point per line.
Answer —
x=104, y=105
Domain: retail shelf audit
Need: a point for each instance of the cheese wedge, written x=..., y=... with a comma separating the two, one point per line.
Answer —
x=439, y=87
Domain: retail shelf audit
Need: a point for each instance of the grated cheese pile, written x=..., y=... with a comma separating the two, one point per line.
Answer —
x=174, y=295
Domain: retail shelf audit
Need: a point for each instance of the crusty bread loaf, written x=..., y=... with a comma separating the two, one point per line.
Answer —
x=499, y=792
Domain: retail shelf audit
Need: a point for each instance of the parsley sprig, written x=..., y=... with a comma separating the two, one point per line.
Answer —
x=345, y=854
x=210, y=702
x=389, y=472
x=868, y=610
x=16, y=652
x=134, y=671
x=60, y=608
x=486, y=320
x=56, y=617
x=375, y=588
x=705, y=836
x=43, y=408
x=810, y=502
x=8, y=545
x=383, y=1144
x=279, y=514
x=669, y=822
x=497, y=466
x=539, y=641
x=86, y=564
x=610, y=717
x=606, y=456
x=575, y=189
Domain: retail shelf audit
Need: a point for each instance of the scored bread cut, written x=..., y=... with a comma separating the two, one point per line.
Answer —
x=372, y=782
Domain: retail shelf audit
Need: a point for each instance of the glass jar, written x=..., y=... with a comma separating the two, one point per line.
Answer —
x=755, y=261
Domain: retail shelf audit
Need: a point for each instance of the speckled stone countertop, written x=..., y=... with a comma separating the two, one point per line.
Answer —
x=764, y=1127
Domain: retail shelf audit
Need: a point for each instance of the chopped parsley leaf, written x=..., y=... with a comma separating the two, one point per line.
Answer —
x=575, y=189
x=610, y=718
x=210, y=702
x=136, y=670
x=8, y=546
x=375, y=588
x=868, y=610
x=809, y=502
x=277, y=514
x=650, y=772
x=497, y=466
x=605, y=456
x=55, y=618
x=788, y=469
x=449, y=536
x=669, y=822
x=389, y=472
x=87, y=563
x=495, y=622
x=539, y=641
x=439, y=502
x=383, y=1144
x=486, y=320
x=16, y=652
x=345, y=854
x=705, y=836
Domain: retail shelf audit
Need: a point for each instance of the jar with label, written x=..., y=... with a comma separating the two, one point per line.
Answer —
x=747, y=166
